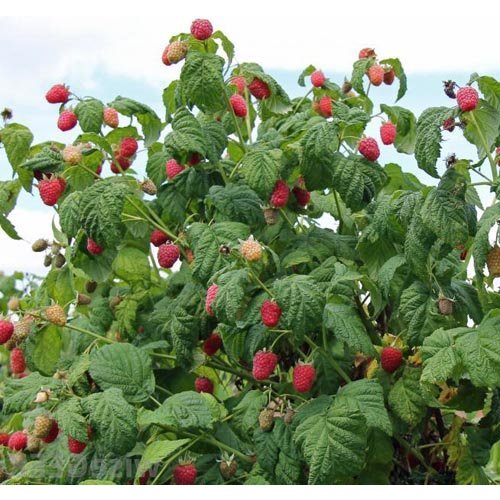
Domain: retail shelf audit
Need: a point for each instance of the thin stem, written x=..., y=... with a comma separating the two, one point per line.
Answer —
x=331, y=359
x=297, y=107
x=155, y=400
x=337, y=203
x=264, y=287
x=87, y=332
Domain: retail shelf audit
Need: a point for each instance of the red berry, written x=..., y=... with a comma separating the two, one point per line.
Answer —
x=194, y=159
x=279, y=196
x=389, y=75
x=467, y=98
x=201, y=29
x=368, y=147
x=185, y=474
x=366, y=53
x=18, y=441
x=67, y=120
x=264, y=363
x=303, y=196
x=203, y=384
x=212, y=344
x=164, y=56
x=173, y=169
x=76, y=446
x=497, y=154
x=17, y=361
x=449, y=124
x=6, y=330
x=128, y=147
x=239, y=83
x=53, y=433
x=168, y=253
x=259, y=89
x=239, y=105
x=318, y=79
x=376, y=74
x=388, y=133
x=123, y=162
x=57, y=94
x=391, y=359
x=158, y=237
x=98, y=169
x=4, y=438
x=211, y=294
x=325, y=106
x=270, y=313
x=303, y=377
x=93, y=247
x=110, y=117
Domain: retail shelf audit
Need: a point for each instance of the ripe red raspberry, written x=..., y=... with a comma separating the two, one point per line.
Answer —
x=279, y=196
x=128, y=147
x=389, y=75
x=211, y=294
x=93, y=247
x=67, y=120
x=212, y=344
x=467, y=98
x=239, y=83
x=98, y=169
x=325, y=106
x=259, y=89
x=17, y=361
x=201, y=29
x=368, y=147
x=75, y=446
x=318, y=78
x=185, y=474
x=264, y=363
x=18, y=441
x=391, y=359
x=57, y=94
x=303, y=377
x=270, y=313
x=158, y=237
x=50, y=191
x=449, y=124
x=4, y=438
x=366, y=53
x=203, y=384
x=6, y=330
x=168, y=254
x=303, y=196
x=110, y=117
x=388, y=133
x=239, y=105
x=164, y=57
x=376, y=74
x=53, y=433
x=173, y=169
x=123, y=164
x=194, y=159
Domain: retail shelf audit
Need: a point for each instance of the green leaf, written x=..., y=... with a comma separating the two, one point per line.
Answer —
x=156, y=452
x=246, y=412
x=230, y=295
x=428, y=140
x=347, y=326
x=368, y=395
x=46, y=160
x=47, y=349
x=8, y=227
x=481, y=245
x=359, y=69
x=333, y=442
x=261, y=171
x=215, y=137
x=131, y=265
x=69, y=214
x=16, y=139
x=186, y=137
x=227, y=45
x=113, y=421
x=387, y=273
x=69, y=417
x=405, y=397
x=400, y=75
x=60, y=285
x=301, y=301
x=89, y=113
x=202, y=81
x=406, y=126
x=155, y=167
x=483, y=124
x=126, y=367
x=490, y=89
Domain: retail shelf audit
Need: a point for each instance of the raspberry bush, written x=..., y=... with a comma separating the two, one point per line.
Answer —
x=206, y=325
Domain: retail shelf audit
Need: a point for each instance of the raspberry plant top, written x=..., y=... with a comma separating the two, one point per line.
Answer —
x=115, y=370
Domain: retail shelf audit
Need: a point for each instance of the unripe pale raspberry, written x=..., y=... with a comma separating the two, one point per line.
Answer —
x=318, y=79
x=168, y=254
x=467, y=98
x=270, y=313
x=67, y=120
x=376, y=74
x=148, y=187
x=203, y=384
x=42, y=427
x=325, y=106
x=251, y=250
x=201, y=29
x=128, y=147
x=177, y=51
x=110, y=117
x=239, y=82
x=57, y=94
x=56, y=315
x=279, y=196
x=368, y=147
x=493, y=261
x=388, y=133
x=158, y=237
x=72, y=154
x=266, y=419
x=211, y=295
x=303, y=377
x=264, y=363
x=173, y=169
x=239, y=105
x=93, y=247
x=259, y=89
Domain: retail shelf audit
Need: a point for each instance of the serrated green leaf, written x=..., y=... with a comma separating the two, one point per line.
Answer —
x=261, y=171
x=69, y=417
x=400, y=75
x=405, y=397
x=483, y=126
x=90, y=115
x=16, y=139
x=131, y=265
x=230, y=295
x=246, y=412
x=156, y=452
x=69, y=214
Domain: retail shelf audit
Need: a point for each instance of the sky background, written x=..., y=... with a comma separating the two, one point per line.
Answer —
x=117, y=54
